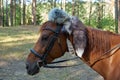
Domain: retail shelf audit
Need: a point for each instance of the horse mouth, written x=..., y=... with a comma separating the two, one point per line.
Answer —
x=33, y=69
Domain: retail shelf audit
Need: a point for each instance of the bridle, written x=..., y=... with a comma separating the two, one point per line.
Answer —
x=105, y=55
x=50, y=45
x=43, y=57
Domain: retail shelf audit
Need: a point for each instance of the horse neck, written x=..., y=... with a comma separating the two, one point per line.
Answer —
x=98, y=42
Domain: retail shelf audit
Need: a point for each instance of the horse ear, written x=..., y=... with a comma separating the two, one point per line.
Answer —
x=79, y=36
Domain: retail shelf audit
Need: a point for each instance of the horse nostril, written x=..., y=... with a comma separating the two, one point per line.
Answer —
x=27, y=66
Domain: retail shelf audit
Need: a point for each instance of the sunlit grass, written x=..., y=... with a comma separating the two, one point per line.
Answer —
x=16, y=41
x=19, y=38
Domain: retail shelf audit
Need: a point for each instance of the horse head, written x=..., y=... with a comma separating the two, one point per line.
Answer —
x=52, y=42
x=46, y=49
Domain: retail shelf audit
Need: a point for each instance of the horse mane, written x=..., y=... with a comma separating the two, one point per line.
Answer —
x=98, y=42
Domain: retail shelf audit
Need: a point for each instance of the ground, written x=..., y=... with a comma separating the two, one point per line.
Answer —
x=15, y=43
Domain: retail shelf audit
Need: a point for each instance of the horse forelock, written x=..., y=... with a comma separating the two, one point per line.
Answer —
x=48, y=24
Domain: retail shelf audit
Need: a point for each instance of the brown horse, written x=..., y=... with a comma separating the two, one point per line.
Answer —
x=101, y=52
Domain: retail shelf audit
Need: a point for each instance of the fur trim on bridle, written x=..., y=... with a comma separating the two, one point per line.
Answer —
x=58, y=16
x=61, y=17
x=73, y=26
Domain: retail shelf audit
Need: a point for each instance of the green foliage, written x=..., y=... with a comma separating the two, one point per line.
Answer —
x=107, y=23
x=82, y=10
x=29, y=14
x=18, y=15
x=39, y=19
x=69, y=8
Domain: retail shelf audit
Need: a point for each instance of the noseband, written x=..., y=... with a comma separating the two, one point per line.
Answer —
x=49, y=46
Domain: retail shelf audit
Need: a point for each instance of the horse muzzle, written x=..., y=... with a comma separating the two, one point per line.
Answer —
x=32, y=68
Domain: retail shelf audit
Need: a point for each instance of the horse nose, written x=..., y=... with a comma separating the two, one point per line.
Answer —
x=32, y=68
x=28, y=68
x=27, y=65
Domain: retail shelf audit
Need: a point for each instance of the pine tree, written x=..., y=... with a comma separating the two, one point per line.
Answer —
x=24, y=12
x=7, y=14
x=119, y=17
x=34, y=11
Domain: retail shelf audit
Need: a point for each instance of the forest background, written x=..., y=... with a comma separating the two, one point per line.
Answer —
x=19, y=24
x=102, y=14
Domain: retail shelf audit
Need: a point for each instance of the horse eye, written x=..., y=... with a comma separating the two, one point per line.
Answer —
x=45, y=38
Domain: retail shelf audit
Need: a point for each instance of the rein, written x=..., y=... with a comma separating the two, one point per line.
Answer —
x=55, y=62
x=104, y=56
x=61, y=61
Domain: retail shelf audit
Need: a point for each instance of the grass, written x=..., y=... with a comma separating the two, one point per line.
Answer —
x=15, y=43
x=15, y=40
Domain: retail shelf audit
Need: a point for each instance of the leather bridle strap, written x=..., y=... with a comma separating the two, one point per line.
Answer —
x=62, y=61
x=50, y=44
x=104, y=56
x=49, y=47
x=35, y=53
x=52, y=41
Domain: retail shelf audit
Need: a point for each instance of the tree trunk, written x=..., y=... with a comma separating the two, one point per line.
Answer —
x=54, y=3
x=24, y=13
x=7, y=14
x=11, y=12
x=73, y=7
x=1, y=12
x=15, y=12
x=61, y=4
x=34, y=11
x=116, y=16
x=100, y=14
x=20, y=12
x=64, y=3
x=119, y=18
x=90, y=4
x=21, y=6
x=78, y=8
